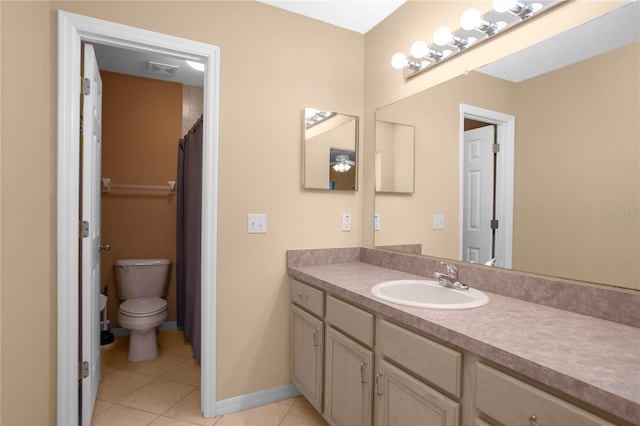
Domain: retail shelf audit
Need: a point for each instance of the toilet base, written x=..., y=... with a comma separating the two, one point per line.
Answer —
x=143, y=345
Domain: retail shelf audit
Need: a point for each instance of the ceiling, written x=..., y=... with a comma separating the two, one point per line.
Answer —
x=355, y=15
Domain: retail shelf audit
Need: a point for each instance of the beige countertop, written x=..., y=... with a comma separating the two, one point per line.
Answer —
x=591, y=359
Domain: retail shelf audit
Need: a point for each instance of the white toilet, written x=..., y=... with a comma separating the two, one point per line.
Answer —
x=142, y=284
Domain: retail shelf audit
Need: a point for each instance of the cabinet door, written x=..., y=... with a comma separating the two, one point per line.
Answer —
x=348, y=377
x=403, y=400
x=306, y=355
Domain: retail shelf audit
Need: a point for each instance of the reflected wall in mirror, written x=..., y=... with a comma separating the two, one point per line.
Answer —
x=576, y=195
x=394, y=157
x=329, y=150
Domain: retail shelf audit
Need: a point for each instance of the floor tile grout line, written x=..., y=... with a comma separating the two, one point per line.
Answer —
x=286, y=414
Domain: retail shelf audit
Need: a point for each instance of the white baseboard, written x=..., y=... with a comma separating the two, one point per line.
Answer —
x=256, y=399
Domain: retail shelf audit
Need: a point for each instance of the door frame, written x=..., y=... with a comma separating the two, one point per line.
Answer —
x=505, y=137
x=72, y=30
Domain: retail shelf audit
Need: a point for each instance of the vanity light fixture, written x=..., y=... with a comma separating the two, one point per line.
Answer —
x=314, y=117
x=400, y=61
x=421, y=50
x=519, y=8
x=443, y=36
x=423, y=57
x=472, y=19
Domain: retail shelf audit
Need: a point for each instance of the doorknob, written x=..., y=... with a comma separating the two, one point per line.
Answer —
x=105, y=247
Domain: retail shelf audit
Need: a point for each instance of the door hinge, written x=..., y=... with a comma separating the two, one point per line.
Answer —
x=86, y=86
x=84, y=369
x=496, y=148
x=84, y=229
x=494, y=223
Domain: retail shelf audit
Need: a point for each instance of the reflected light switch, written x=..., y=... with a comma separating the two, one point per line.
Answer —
x=376, y=222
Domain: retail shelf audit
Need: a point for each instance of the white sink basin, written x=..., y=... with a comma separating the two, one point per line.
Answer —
x=428, y=294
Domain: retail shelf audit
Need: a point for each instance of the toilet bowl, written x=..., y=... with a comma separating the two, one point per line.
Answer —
x=141, y=316
x=141, y=284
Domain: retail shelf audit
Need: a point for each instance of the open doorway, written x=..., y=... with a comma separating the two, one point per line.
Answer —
x=72, y=31
x=486, y=189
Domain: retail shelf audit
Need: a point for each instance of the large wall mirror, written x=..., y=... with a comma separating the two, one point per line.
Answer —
x=329, y=149
x=574, y=143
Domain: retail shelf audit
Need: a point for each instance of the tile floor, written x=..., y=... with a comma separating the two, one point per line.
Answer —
x=166, y=391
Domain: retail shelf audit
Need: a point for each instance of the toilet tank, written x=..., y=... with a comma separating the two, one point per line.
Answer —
x=142, y=277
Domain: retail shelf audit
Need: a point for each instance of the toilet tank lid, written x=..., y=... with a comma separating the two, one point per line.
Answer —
x=142, y=262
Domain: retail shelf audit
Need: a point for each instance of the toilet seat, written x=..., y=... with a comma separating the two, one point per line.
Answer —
x=143, y=306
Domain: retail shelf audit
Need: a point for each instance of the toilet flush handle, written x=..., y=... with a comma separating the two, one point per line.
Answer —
x=105, y=247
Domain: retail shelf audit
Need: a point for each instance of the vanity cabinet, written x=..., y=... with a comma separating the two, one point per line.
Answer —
x=413, y=393
x=401, y=399
x=307, y=342
x=508, y=400
x=348, y=380
x=358, y=368
x=349, y=364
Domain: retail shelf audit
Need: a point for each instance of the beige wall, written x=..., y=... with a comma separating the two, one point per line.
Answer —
x=142, y=124
x=262, y=95
x=577, y=187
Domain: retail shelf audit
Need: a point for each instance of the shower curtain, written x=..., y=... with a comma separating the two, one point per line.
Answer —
x=189, y=236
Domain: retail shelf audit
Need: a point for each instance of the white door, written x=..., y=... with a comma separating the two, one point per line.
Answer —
x=477, y=193
x=90, y=243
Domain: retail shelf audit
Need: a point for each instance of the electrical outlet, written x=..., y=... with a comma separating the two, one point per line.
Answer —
x=376, y=222
x=346, y=221
x=438, y=221
x=256, y=223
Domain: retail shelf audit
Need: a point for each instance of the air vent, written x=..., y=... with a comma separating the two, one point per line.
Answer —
x=162, y=69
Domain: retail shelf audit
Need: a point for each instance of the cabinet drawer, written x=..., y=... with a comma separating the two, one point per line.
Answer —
x=513, y=402
x=353, y=321
x=432, y=361
x=307, y=297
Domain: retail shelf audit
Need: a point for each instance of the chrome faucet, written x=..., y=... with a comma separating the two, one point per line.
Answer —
x=450, y=279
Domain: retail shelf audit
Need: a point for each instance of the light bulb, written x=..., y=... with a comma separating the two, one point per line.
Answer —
x=502, y=6
x=399, y=61
x=442, y=36
x=470, y=19
x=419, y=49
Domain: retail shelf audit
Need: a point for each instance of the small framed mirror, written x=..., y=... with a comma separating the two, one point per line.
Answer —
x=329, y=149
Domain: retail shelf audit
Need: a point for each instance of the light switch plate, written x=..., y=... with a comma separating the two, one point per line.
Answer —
x=376, y=222
x=257, y=223
x=346, y=221
x=438, y=221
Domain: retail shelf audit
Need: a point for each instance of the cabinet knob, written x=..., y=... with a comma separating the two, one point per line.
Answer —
x=533, y=419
